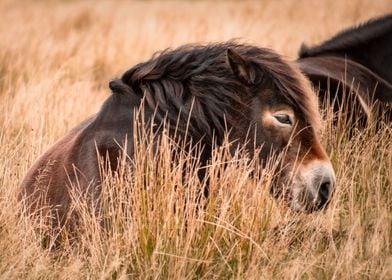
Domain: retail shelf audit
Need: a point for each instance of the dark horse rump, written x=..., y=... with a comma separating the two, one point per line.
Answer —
x=357, y=61
x=207, y=90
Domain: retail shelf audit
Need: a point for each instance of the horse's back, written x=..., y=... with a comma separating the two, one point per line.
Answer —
x=47, y=181
x=357, y=60
x=368, y=44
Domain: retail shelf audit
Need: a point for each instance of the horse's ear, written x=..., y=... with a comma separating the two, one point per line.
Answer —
x=118, y=86
x=242, y=69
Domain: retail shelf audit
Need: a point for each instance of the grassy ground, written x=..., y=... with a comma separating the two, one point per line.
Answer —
x=56, y=59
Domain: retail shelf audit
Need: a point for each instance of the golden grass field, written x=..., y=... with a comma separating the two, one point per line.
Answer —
x=56, y=58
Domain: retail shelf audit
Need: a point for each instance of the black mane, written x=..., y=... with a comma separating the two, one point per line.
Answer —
x=191, y=81
x=351, y=37
x=196, y=83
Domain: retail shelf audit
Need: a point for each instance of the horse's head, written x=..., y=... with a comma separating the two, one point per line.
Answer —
x=284, y=113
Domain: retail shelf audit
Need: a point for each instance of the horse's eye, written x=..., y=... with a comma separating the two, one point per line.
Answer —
x=284, y=119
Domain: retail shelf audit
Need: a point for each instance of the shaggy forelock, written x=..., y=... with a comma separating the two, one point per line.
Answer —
x=196, y=82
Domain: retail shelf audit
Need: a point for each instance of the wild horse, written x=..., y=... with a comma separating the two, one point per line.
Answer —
x=248, y=94
x=353, y=70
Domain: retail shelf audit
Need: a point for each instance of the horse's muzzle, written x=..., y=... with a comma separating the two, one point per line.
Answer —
x=313, y=186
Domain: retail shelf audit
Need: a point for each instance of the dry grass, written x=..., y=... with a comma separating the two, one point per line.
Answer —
x=55, y=61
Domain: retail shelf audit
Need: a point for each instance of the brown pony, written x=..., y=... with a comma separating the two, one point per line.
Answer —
x=207, y=90
x=355, y=65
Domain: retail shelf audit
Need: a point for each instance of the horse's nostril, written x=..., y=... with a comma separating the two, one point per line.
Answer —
x=324, y=192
